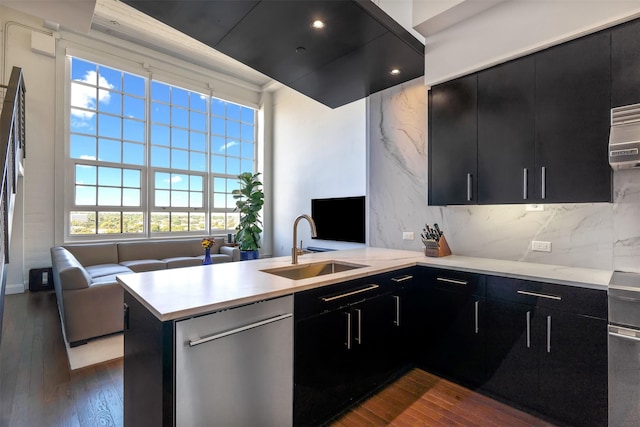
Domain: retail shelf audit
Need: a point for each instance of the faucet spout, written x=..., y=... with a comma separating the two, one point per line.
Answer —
x=295, y=252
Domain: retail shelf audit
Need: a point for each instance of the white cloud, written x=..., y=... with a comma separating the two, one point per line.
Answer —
x=176, y=179
x=228, y=145
x=85, y=96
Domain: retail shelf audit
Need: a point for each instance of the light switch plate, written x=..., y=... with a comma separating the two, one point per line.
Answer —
x=408, y=235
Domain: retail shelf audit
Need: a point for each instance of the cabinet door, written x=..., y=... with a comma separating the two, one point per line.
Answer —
x=374, y=359
x=573, y=368
x=625, y=63
x=512, y=351
x=506, y=119
x=453, y=124
x=573, y=121
x=456, y=341
x=321, y=368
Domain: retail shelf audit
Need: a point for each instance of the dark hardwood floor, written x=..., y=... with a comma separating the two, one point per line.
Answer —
x=37, y=388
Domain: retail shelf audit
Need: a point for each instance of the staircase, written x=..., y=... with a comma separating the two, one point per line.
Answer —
x=12, y=151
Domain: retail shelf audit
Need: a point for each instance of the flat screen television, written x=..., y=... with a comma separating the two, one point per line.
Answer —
x=341, y=219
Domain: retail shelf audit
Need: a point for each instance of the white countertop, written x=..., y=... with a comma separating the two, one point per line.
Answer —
x=185, y=292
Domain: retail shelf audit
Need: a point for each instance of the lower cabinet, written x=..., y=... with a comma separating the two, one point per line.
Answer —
x=343, y=353
x=537, y=345
x=547, y=349
x=450, y=326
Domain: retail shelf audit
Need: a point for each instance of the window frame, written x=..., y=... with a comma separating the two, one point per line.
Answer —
x=147, y=189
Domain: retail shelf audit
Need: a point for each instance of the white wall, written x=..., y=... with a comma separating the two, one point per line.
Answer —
x=317, y=152
x=39, y=191
x=515, y=28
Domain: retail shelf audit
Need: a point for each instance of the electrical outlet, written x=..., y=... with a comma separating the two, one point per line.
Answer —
x=540, y=246
x=407, y=235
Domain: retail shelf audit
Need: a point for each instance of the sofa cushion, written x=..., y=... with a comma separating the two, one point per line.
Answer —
x=182, y=261
x=129, y=251
x=220, y=258
x=141, y=265
x=93, y=254
x=96, y=271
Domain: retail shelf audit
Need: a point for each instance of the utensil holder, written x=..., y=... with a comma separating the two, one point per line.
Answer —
x=438, y=248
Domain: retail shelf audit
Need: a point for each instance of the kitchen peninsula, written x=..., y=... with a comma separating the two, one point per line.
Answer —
x=172, y=313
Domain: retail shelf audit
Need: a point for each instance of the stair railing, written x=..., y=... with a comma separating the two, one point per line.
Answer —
x=12, y=151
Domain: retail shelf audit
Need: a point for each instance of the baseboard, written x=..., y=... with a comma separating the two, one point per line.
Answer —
x=17, y=288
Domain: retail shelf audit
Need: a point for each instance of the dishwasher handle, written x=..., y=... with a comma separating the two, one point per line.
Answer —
x=624, y=333
x=193, y=343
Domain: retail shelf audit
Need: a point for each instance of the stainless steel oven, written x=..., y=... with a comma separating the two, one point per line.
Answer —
x=624, y=350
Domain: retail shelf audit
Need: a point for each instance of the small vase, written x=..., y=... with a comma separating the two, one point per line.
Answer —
x=207, y=257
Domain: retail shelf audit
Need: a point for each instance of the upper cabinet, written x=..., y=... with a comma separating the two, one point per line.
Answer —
x=573, y=121
x=453, y=129
x=625, y=64
x=542, y=130
x=506, y=120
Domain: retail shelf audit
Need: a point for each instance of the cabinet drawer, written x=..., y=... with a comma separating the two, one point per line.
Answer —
x=571, y=299
x=332, y=297
x=453, y=281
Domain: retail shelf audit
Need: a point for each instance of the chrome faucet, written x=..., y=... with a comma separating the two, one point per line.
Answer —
x=295, y=252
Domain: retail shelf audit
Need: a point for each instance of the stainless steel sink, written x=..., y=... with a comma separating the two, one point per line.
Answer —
x=306, y=271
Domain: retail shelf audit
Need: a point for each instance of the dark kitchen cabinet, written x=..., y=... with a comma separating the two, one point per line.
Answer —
x=453, y=124
x=625, y=63
x=506, y=125
x=349, y=340
x=451, y=331
x=533, y=130
x=573, y=368
x=547, y=349
x=573, y=120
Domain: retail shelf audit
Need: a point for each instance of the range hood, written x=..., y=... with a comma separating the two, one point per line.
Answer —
x=624, y=140
x=349, y=59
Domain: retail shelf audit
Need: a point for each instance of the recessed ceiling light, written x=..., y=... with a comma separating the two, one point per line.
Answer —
x=317, y=24
x=394, y=72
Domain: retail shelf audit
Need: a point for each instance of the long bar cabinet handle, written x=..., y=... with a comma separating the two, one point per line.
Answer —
x=525, y=183
x=544, y=182
x=454, y=281
x=535, y=294
x=397, y=321
x=402, y=278
x=548, y=334
x=528, y=329
x=477, y=303
x=348, y=343
x=469, y=185
x=348, y=294
x=359, y=337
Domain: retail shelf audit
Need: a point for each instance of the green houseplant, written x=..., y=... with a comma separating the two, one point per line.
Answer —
x=249, y=200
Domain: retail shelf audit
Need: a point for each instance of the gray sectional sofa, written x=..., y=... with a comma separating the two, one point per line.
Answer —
x=90, y=300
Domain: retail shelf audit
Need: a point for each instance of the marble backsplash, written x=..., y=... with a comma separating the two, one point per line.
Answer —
x=593, y=235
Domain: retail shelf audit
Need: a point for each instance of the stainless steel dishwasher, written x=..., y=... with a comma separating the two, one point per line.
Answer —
x=235, y=367
x=624, y=350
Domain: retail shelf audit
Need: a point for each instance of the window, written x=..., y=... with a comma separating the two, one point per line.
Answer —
x=148, y=157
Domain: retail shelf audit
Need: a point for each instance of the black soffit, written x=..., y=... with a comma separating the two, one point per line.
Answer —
x=347, y=60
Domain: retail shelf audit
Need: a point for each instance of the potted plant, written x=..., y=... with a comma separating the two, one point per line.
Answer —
x=249, y=200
